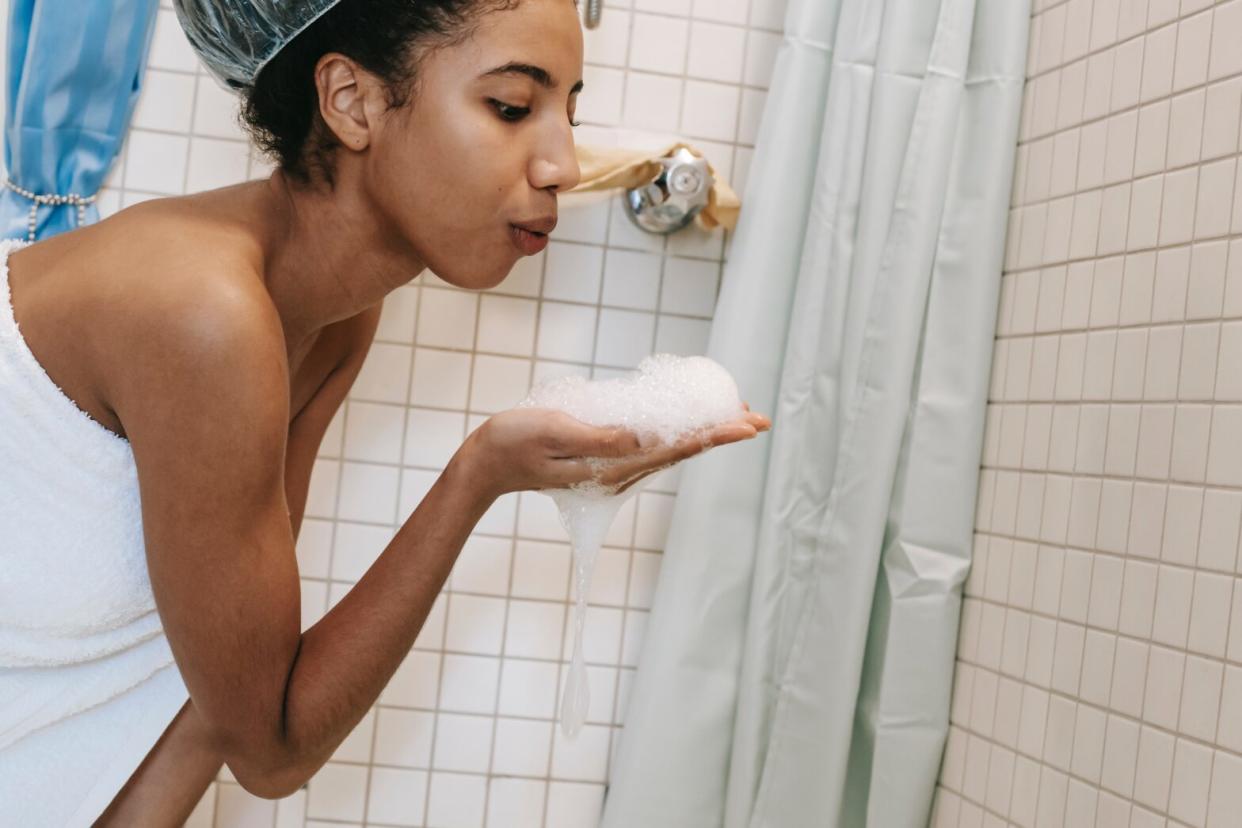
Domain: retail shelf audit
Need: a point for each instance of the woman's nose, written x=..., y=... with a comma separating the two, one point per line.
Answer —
x=558, y=168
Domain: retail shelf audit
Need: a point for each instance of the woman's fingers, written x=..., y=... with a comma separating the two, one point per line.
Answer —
x=582, y=440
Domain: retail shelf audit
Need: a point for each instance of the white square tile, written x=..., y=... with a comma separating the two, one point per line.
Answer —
x=658, y=44
x=240, y=809
x=373, y=432
x=469, y=684
x=652, y=102
x=541, y=570
x=483, y=566
x=403, y=737
x=446, y=318
x=1215, y=198
x=534, y=629
x=1120, y=755
x=1100, y=69
x=1198, y=371
x=1138, y=598
x=528, y=688
x=1229, y=733
x=609, y=45
x=462, y=743
x=1200, y=698
x=498, y=383
x=337, y=791
x=1177, y=208
x=583, y=218
x=1224, y=452
x=432, y=437
x=1192, y=770
x=1145, y=197
x=573, y=272
x=1154, y=771
x=1186, y=128
x=1173, y=599
x=399, y=315
x=602, y=93
x=1158, y=54
x=216, y=111
x=516, y=803
x=1225, y=801
x=1161, y=701
x=216, y=163
x=1152, y=138
x=682, y=336
x=169, y=47
x=475, y=624
x=165, y=103
x=397, y=797
x=1193, y=37
x=538, y=518
x=710, y=110
x=456, y=800
x=522, y=747
x=507, y=325
x=1209, y=614
x=583, y=758
x=625, y=337
x=156, y=162
x=385, y=374
x=571, y=805
x=690, y=286
x=368, y=493
x=1218, y=534
x=631, y=279
x=1206, y=285
x=1226, y=30
x=566, y=332
x=716, y=52
x=441, y=378
x=1127, y=74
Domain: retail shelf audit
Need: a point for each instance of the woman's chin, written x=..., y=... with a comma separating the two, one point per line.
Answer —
x=482, y=279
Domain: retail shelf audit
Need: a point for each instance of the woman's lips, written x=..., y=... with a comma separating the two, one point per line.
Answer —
x=530, y=243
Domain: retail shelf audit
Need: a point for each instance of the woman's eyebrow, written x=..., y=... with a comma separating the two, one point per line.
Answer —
x=538, y=74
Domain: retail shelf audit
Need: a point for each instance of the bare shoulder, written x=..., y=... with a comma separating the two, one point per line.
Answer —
x=185, y=307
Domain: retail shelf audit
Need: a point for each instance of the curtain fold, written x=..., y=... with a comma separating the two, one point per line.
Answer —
x=798, y=657
x=74, y=75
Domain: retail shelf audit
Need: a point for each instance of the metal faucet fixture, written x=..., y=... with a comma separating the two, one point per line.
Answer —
x=593, y=10
x=674, y=197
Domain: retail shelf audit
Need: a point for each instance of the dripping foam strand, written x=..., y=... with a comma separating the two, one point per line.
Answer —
x=667, y=398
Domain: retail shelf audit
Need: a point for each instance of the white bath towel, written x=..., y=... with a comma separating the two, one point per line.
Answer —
x=87, y=680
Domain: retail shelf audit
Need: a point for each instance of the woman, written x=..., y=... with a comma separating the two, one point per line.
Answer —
x=217, y=334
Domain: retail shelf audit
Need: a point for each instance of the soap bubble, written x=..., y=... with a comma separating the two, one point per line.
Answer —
x=667, y=399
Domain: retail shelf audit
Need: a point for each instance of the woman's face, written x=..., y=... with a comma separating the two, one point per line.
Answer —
x=484, y=144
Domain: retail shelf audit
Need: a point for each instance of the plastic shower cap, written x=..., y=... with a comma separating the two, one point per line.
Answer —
x=236, y=38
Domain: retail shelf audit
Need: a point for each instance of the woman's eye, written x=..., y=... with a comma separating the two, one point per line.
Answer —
x=510, y=113
x=574, y=123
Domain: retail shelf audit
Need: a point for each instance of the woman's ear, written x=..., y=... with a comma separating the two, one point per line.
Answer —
x=345, y=89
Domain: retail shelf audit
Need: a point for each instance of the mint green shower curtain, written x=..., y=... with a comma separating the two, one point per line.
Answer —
x=797, y=663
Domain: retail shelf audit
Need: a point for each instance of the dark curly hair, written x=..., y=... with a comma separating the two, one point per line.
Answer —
x=280, y=111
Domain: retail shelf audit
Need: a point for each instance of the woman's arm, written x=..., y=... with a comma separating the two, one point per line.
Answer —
x=205, y=405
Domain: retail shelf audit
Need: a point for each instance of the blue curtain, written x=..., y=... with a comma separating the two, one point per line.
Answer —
x=74, y=72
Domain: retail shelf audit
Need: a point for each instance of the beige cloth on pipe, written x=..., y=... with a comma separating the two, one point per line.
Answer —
x=606, y=167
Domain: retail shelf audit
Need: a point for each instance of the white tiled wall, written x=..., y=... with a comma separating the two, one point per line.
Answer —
x=464, y=736
x=1099, y=672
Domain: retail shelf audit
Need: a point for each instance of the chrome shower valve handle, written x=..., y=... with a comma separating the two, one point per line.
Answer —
x=671, y=201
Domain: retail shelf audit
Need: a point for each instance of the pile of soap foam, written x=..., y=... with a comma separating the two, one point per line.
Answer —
x=666, y=399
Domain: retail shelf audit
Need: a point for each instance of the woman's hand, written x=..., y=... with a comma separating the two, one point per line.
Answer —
x=538, y=448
